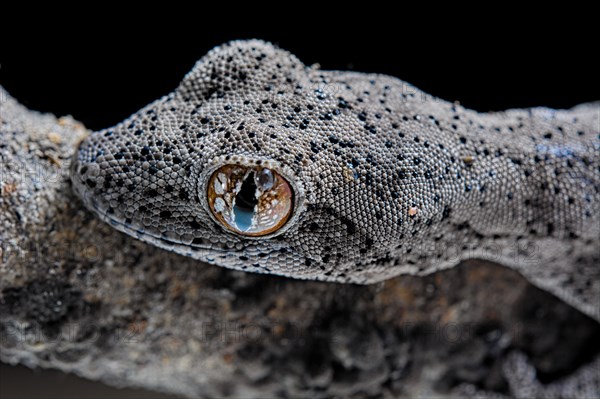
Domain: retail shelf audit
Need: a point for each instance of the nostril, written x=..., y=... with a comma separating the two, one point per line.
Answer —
x=89, y=170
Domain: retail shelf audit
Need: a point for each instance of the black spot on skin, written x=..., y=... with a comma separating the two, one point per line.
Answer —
x=462, y=226
x=165, y=214
x=350, y=226
x=107, y=181
x=446, y=213
x=183, y=195
x=569, y=163
x=194, y=225
x=516, y=161
x=371, y=159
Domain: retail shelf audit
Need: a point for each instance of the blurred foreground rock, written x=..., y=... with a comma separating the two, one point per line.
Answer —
x=78, y=296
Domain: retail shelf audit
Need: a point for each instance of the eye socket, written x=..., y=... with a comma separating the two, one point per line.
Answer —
x=252, y=201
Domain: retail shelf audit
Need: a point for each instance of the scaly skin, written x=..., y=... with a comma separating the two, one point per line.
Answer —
x=387, y=179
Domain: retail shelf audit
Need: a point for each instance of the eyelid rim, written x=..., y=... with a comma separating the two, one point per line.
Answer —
x=251, y=161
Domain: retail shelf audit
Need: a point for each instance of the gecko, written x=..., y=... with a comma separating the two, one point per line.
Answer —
x=257, y=162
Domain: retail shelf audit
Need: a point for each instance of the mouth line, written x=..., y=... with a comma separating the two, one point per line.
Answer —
x=201, y=252
x=119, y=225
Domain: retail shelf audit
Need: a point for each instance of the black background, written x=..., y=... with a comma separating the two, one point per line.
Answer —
x=104, y=65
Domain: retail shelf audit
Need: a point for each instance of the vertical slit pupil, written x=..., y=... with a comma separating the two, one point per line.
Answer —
x=246, y=198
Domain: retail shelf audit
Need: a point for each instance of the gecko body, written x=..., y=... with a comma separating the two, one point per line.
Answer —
x=259, y=163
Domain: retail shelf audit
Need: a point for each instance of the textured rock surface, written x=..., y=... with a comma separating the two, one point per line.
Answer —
x=78, y=296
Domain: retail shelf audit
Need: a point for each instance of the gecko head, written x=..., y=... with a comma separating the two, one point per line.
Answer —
x=251, y=163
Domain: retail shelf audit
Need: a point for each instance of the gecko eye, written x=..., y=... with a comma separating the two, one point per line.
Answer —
x=251, y=201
